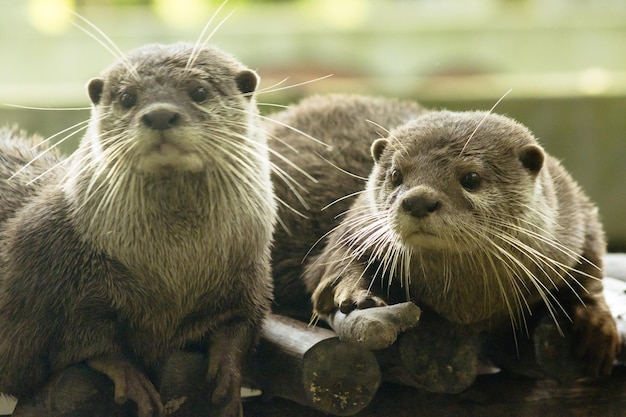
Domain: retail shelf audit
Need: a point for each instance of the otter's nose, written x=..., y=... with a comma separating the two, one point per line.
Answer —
x=161, y=119
x=420, y=206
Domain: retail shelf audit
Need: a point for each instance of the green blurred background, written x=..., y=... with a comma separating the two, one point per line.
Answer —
x=565, y=61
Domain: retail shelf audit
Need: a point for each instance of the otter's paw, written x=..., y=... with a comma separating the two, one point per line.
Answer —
x=597, y=338
x=375, y=328
x=585, y=347
x=130, y=383
x=224, y=375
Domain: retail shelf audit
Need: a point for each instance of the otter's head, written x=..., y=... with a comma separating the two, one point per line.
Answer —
x=453, y=181
x=172, y=108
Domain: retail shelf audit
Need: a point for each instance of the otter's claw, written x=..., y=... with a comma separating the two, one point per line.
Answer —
x=358, y=300
x=130, y=383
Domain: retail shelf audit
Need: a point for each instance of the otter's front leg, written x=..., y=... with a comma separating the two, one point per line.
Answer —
x=598, y=341
x=228, y=347
x=339, y=286
x=130, y=382
x=588, y=339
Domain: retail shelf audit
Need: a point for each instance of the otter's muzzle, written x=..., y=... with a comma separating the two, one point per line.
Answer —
x=420, y=202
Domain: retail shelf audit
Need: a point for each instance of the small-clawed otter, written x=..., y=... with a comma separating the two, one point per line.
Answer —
x=152, y=237
x=462, y=213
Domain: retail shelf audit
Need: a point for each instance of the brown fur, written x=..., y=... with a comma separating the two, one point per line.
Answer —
x=149, y=238
x=416, y=233
x=346, y=124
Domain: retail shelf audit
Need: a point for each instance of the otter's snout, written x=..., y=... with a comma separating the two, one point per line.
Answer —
x=420, y=204
x=161, y=119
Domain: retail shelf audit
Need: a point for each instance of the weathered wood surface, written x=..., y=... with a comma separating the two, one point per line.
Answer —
x=499, y=395
x=434, y=356
x=311, y=366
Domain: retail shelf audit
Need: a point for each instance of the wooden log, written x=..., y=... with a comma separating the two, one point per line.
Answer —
x=184, y=389
x=499, y=395
x=375, y=328
x=437, y=356
x=77, y=391
x=311, y=366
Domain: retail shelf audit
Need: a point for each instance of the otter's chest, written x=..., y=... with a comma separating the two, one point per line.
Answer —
x=184, y=286
x=190, y=262
x=187, y=255
x=480, y=288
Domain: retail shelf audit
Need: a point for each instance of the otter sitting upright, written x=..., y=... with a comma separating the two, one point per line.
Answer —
x=153, y=236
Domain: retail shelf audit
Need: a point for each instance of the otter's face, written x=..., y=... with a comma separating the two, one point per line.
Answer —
x=173, y=108
x=445, y=179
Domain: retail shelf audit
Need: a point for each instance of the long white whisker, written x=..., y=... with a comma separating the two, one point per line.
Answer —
x=105, y=41
x=327, y=206
x=293, y=165
x=279, y=106
x=306, y=135
x=542, y=290
x=273, y=90
x=199, y=41
x=19, y=106
x=339, y=168
x=47, y=150
x=84, y=124
x=483, y=120
x=218, y=26
x=324, y=236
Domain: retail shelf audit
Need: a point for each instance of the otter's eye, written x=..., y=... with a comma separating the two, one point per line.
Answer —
x=470, y=181
x=396, y=178
x=199, y=94
x=128, y=99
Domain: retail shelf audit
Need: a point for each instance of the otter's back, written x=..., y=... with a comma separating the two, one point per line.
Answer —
x=22, y=162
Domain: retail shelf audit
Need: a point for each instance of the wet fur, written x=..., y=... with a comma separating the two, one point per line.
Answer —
x=125, y=250
x=526, y=241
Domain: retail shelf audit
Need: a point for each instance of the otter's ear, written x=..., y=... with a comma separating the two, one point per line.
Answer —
x=95, y=88
x=247, y=81
x=532, y=157
x=377, y=149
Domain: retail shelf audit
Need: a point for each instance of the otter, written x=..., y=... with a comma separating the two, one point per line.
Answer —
x=152, y=237
x=305, y=140
x=462, y=213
